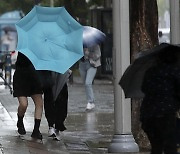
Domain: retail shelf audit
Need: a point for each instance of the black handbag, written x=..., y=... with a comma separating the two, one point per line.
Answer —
x=45, y=78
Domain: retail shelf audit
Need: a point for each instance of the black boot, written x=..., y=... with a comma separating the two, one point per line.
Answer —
x=36, y=133
x=20, y=126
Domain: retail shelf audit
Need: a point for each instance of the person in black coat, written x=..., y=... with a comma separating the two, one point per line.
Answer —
x=56, y=107
x=161, y=86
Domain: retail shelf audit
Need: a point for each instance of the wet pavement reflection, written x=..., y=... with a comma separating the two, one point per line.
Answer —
x=94, y=129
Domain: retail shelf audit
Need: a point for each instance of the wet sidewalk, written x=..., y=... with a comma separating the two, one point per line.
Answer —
x=87, y=132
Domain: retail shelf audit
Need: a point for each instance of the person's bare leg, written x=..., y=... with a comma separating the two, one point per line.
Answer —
x=23, y=103
x=38, y=101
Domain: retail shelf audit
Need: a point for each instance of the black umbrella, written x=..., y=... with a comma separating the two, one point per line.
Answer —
x=132, y=78
x=59, y=81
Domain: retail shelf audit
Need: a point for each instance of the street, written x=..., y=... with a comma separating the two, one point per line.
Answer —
x=87, y=132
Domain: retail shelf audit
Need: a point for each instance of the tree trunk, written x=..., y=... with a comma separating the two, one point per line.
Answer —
x=144, y=35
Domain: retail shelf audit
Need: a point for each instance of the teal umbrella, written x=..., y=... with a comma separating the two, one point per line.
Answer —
x=51, y=38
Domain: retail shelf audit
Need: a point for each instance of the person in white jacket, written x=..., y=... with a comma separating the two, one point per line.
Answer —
x=88, y=68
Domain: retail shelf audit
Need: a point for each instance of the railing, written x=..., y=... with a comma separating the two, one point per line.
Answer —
x=6, y=68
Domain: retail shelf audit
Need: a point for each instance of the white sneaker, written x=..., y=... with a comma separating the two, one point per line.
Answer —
x=51, y=132
x=90, y=106
x=59, y=135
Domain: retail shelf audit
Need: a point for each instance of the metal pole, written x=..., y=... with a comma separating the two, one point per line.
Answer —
x=174, y=21
x=123, y=140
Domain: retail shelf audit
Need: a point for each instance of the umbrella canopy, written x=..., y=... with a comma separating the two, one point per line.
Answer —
x=132, y=78
x=50, y=38
x=92, y=36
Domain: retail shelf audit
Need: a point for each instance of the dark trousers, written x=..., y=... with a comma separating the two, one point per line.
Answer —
x=178, y=131
x=56, y=111
x=161, y=132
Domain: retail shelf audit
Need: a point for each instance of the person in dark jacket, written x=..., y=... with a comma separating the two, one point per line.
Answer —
x=26, y=84
x=161, y=86
x=56, y=112
x=56, y=107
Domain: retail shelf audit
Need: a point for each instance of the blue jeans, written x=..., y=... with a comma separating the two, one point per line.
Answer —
x=88, y=73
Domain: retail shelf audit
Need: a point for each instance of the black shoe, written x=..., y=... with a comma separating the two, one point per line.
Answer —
x=36, y=135
x=21, y=129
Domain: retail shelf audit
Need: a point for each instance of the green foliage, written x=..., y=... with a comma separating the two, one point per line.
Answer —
x=95, y=2
x=163, y=5
x=77, y=8
x=5, y=6
x=26, y=5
